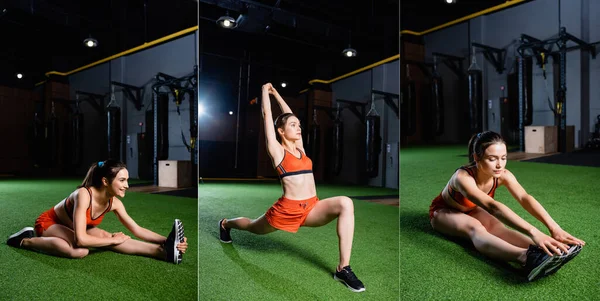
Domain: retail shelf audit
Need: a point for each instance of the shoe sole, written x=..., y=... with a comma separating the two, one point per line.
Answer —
x=348, y=286
x=21, y=232
x=176, y=259
x=565, y=259
x=536, y=271
x=221, y=227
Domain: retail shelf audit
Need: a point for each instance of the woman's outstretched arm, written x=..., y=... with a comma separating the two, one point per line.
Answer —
x=536, y=209
x=282, y=104
x=139, y=231
x=273, y=147
x=466, y=185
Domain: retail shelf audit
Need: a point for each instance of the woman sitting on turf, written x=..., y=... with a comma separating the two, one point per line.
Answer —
x=466, y=208
x=70, y=227
x=299, y=204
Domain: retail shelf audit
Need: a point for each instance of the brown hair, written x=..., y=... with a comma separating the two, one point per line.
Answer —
x=280, y=122
x=104, y=169
x=480, y=142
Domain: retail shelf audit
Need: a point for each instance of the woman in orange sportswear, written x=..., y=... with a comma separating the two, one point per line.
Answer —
x=299, y=205
x=466, y=208
x=70, y=227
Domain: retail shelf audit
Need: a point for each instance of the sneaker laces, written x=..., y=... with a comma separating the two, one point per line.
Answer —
x=348, y=271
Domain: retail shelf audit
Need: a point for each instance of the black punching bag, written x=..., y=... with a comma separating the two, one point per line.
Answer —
x=373, y=145
x=437, y=104
x=76, y=138
x=409, y=106
x=474, y=78
x=163, y=126
x=52, y=140
x=528, y=93
x=314, y=140
x=38, y=134
x=113, y=118
x=338, y=144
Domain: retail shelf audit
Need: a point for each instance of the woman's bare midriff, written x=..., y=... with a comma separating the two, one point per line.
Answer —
x=60, y=211
x=451, y=202
x=299, y=187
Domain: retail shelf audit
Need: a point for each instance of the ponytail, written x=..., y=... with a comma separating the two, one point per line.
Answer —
x=103, y=169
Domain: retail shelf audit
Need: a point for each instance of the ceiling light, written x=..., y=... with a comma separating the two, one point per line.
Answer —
x=19, y=75
x=90, y=42
x=230, y=112
x=227, y=21
x=283, y=84
x=450, y=1
x=349, y=52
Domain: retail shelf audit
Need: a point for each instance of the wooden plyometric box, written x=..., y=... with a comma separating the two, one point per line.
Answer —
x=541, y=139
x=176, y=174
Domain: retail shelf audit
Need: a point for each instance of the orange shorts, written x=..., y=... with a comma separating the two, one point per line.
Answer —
x=45, y=220
x=288, y=215
x=439, y=203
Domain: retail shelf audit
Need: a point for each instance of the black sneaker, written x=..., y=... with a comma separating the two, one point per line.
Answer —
x=224, y=235
x=16, y=239
x=347, y=277
x=538, y=263
x=573, y=251
x=174, y=238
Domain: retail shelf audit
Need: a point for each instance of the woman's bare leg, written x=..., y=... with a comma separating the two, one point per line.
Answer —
x=327, y=210
x=259, y=225
x=131, y=246
x=497, y=228
x=57, y=240
x=461, y=225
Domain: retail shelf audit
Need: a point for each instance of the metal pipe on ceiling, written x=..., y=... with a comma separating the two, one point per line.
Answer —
x=471, y=16
x=126, y=52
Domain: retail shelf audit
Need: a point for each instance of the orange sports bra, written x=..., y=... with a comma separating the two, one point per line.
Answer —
x=462, y=200
x=291, y=165
x=91, y=222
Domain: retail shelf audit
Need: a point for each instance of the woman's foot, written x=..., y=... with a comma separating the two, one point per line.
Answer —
x=16, y=239
x=224, y=235
x=174, y=238
x=573, y=251
x=347, y=277
x=538, y=263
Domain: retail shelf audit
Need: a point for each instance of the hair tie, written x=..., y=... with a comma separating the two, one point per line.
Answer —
x=478, y=135
x=101, y=163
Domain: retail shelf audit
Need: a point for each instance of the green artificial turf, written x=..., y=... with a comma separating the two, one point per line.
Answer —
x=433, y=267
x=102, y=275
x=286, y=266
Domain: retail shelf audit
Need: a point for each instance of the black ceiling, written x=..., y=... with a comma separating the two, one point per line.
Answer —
x=421, y=15
x=302, y=39
x=39, y=36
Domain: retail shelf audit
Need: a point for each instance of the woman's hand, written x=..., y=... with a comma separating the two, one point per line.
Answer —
x=268, y=87
x=119, y=238
x=182, y=246
x=549, y=244
x=564, y=237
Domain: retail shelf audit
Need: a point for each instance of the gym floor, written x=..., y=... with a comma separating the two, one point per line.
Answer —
x=299, y=266
x=433, y=266
x=106, y=275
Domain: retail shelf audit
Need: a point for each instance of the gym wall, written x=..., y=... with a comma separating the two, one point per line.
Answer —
x=175, y=58
x=358, y=88
x=218, y=93
x=538, y=19
x=594, y=66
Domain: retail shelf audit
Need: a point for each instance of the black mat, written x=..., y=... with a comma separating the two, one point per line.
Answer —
x=375, y=197
x=584, y=157
x=141, y=184
x=186, y=193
